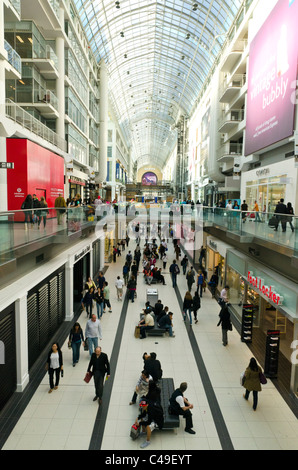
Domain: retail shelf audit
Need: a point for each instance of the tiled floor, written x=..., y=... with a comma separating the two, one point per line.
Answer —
x=65, y=419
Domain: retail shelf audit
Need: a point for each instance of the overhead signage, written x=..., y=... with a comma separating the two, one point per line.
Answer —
x=267, y=291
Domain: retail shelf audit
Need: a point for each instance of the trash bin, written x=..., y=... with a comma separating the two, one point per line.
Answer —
x=152, y=296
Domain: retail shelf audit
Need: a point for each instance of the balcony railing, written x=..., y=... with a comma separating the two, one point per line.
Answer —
x=13, y=57
x=45, y=96
x=26, y=120
x=20, y=228
x=233, y=117
x=230, y=150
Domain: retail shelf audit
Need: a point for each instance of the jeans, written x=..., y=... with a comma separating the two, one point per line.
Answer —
x=189, y=313
x=174, y=279
x=169, y=329
x=75, y=351
x=143, y=330
x=200, y=288
x=132, y=295
x=92, y=342
x=255, y=398
x=99, y=306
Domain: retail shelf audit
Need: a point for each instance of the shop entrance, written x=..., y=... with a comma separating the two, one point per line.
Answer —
x=273, y=319
x=81, y=272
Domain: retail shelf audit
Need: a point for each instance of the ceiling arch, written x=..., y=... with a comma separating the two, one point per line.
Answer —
x=158, y=54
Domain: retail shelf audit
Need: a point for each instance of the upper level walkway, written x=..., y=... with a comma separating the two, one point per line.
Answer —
x=26, y=228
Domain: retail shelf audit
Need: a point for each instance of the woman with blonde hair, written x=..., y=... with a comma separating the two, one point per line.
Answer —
x=187, y=306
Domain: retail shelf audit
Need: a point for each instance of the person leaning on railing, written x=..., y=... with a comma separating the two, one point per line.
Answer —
x=60, y=206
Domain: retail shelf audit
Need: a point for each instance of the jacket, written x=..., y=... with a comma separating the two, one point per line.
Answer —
x=187, y=303
x=100, y=363
x=252, y=380
x=224, y=316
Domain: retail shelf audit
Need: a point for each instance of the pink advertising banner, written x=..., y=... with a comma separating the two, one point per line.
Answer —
x=272, y=76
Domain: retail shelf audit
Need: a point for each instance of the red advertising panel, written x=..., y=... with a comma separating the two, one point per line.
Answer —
x=36, y=171
x=272, y=78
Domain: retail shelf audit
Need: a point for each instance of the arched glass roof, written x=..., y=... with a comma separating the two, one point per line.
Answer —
x=159, y=54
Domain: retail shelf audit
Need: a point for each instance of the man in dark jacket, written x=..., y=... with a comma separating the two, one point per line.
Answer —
x=281, y=208
x=166, y=323
x=100, y=366
x=153, y=366
x=179, y=405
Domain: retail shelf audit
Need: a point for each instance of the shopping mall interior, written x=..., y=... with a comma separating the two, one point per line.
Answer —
x=137, y=137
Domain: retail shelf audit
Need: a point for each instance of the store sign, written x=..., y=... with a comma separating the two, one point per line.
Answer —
x=267, y=291
x=272, y=77
x=82, y=253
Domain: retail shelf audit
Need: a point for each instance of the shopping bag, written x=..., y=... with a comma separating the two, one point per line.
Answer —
x=272, y=222
x=134, y=431
x=137, y=332
x=263, y=379
x=88, y=377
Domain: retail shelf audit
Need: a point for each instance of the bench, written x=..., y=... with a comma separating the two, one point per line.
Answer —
x=156, y=330
x=166, y=390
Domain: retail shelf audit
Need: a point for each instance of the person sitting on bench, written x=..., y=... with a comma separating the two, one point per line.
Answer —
x=180, y=406
x=166, y=322
x=147, y=323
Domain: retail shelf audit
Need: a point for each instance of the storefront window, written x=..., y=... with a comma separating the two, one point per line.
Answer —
x=236, y=291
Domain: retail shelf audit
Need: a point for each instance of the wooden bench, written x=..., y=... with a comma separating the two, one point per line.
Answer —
x=167, y=389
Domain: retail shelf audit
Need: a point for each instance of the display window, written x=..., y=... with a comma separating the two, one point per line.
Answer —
x=267, y=192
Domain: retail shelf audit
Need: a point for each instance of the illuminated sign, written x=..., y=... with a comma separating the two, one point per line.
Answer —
x=272, y=78
x=267, y=291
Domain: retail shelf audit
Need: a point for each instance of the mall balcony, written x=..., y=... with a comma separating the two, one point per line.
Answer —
x=252, y=233
x=25, y=240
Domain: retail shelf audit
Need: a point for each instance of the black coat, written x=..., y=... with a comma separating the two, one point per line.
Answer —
x=224, y=318
x=101, y=363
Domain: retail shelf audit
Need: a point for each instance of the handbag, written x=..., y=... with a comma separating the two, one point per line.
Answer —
x=263, y=379
x=137, y=332
x=86, y=348
x=134, y=431
x=273, y=222
x=88, y=377
x=242, y=378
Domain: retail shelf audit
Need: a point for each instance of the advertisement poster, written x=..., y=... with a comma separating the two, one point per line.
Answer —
x=149, y=179
x=272, y=79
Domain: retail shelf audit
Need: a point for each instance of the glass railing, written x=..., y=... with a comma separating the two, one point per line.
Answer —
x=26, y=120
x=17, y=5
x=45, y=96
x=13, y=57
x=19, y=228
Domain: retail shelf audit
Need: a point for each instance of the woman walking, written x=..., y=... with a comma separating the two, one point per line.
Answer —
x=225, y=322
x=54, y=365
x=187, y=306
x=76, y=337
x=252, y=381
x=196, y=304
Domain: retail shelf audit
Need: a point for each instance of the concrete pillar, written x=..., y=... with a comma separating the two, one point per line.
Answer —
x=60, y=86
x=103, y=120
x=22, y=343
x=3, y=173
x=69, y=291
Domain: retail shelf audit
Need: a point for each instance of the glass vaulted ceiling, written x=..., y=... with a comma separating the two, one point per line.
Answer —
x=158, y=54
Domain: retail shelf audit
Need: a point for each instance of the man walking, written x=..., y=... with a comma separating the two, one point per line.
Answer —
x=100, y=366
x=92, y=333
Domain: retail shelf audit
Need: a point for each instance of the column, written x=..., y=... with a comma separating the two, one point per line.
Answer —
x=69, y=291
x=3, y=173
x=60, y=86
x=103, y=120
x=22, y=343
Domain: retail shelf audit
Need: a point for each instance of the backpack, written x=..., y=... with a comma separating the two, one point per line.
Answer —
x=156, y=412
x=176, y=269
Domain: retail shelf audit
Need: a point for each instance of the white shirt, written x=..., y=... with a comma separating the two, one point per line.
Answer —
x=229, y=206
x=224, y=295
x=119, y=283
x=180, y=401
x=54, y=364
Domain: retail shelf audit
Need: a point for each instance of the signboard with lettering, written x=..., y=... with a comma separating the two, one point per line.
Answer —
x=263, y=289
